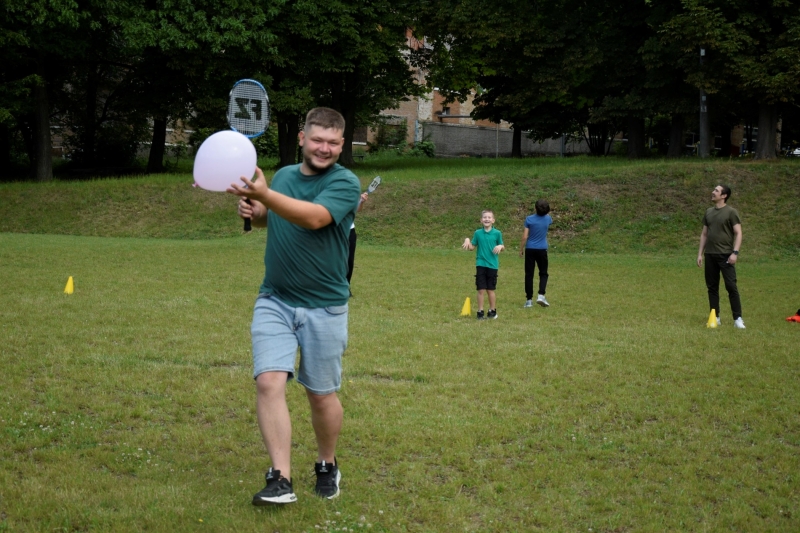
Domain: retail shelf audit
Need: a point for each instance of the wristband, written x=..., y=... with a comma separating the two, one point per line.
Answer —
x=736, y=252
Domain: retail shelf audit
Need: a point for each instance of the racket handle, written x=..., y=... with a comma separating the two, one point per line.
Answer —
x=247, y=226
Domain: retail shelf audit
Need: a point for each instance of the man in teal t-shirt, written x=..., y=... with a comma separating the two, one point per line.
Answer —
x=308, y=210
x=489, y=243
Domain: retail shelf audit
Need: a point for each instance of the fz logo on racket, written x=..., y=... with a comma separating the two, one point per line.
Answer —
x=248, y=98
x=245, y=108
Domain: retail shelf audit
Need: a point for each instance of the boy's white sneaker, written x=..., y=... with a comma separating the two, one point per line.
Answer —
x=739, y=323
x=718, y=322
x=528, y=303
x=542, y=301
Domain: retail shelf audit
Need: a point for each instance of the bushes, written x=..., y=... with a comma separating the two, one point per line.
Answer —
x=393, y=138
x=266, y=144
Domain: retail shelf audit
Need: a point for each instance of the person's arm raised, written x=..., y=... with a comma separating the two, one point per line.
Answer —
x=305, y=214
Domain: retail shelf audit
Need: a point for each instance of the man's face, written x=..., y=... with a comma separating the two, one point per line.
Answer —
x=321, y=147
x=487, y=219
x=716, y=194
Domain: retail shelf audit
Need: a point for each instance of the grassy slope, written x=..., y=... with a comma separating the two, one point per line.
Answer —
x=609, y=205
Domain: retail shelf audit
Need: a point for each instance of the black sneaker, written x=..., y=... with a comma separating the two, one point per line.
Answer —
x=278, y=490
x=328, y=477
x=492, y=313
x=480, y=315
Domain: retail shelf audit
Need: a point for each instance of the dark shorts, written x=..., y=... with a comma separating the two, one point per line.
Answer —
x=486, y=278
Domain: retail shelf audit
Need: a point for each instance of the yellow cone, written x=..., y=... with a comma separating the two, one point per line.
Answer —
x=467, y=309
x=70, y=286
x=712, y=319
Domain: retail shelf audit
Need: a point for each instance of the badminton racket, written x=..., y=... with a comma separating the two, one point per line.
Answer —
x=248, y=113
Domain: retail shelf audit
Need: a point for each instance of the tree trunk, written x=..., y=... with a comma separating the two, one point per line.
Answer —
x=288, y=128
x=155, y=163
x=767, y=130
x=516, y=142
x=706, y=143
x=42, y=160
x=90, y=120
x=635, y=138
x=676, y=130
x=732, y=150
x=5, y=152
x=596, y=136
x=349, y=114
x=749, y=136
x=343, y=99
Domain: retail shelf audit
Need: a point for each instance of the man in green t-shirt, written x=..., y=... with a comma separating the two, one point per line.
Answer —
x=308, y=210
x=720, y=242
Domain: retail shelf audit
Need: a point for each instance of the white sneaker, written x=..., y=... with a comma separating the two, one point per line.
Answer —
x=739, y=323
x=528, y=303
x=718, y=322
x=542, y=301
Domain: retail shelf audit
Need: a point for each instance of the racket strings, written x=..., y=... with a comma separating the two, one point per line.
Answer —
x=248, y=108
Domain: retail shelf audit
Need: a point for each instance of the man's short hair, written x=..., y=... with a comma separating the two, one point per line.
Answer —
x=542, y=207
x=726, y=191
x=325, y=118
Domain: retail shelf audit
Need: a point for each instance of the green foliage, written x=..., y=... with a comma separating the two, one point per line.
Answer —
x=423, y=149
x=199, y=135
x=389, y=137
x=267, y=144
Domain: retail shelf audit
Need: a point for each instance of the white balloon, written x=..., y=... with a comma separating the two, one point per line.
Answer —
x=222, y=159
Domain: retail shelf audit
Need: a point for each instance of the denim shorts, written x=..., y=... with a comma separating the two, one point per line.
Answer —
x=321, y=334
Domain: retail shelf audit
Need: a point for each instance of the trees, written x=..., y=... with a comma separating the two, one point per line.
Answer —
x=549, y=68
x=36, y=36
x=113, y=74
x=105, y=70
x=181, y=53
x=605, y=66
x=753, y=56
x=350, y=56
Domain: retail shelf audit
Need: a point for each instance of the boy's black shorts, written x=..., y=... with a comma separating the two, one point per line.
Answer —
x=486, y=278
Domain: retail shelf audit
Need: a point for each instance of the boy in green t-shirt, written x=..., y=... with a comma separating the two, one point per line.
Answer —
x=489, y=243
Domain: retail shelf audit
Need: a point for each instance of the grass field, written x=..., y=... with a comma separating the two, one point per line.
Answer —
x=129, y=405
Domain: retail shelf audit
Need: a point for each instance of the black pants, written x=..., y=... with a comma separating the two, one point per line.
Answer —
x=534, y=258
x=351, y=256
x=716, y=264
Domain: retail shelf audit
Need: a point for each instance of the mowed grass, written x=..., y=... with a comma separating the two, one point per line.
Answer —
x=129, y=405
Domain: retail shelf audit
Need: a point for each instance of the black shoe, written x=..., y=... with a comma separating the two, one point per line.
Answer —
x=480, y=315
x=328, y=477
x=492, y=313
x=278, y=490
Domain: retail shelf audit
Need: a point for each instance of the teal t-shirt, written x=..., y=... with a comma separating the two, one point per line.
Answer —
x=304, y=267
x=485, y=241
